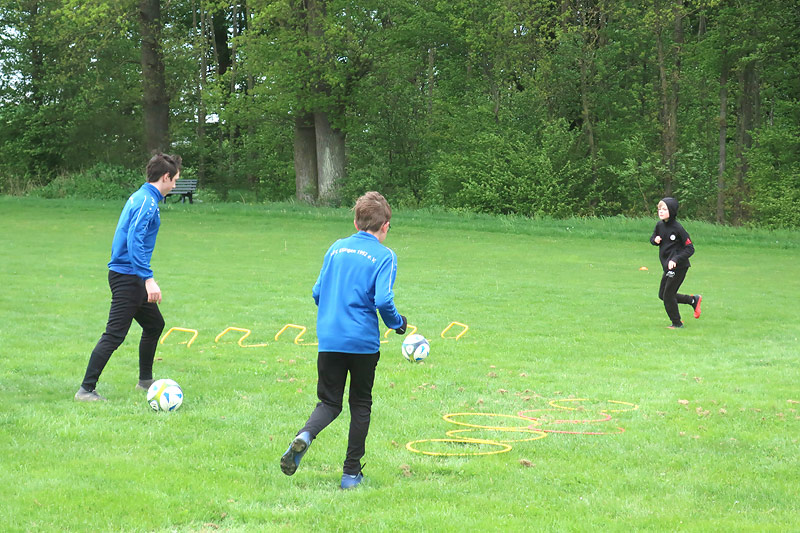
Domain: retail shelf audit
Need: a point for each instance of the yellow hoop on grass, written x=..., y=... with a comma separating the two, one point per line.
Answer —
x=540, y=434
x=505, y=447
x=527, y=425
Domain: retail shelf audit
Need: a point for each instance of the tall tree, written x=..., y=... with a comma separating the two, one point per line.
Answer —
x=314, y=43
x=154, y=87
x=670, y=83
x=328, y=112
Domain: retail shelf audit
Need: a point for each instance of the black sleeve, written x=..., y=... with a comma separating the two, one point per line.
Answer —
x=653, y=236
x=687, y=247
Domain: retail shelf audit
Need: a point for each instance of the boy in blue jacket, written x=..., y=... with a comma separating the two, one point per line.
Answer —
x=356, y=278
x=135, y=295
x=675, y=248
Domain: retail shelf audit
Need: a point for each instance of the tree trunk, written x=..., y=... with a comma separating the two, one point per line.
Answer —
x=674, y=93
x=156, y=102
x=665, y=141
x=305, y=159
x=233, y=127
x=330, y=157
x=200, y=48
x=252, y=154
x=306, y=174
x=670, y=89
x=723, y=136
x=748, y=83
x=223, y=54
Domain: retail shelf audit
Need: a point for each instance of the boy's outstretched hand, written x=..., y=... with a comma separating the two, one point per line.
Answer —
x=402, y=329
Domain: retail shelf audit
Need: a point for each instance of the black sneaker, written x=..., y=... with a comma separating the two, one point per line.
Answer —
x=84, y=395
x=675, y=326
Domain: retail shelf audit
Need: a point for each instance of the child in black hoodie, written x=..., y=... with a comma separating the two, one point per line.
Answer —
x=675, y=248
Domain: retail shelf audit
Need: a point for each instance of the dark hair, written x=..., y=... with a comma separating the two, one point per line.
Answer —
x=372, y=211
x=161, y=164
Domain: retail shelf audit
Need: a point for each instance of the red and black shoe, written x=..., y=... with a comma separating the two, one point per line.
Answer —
x=697, y=299
x=675, y=326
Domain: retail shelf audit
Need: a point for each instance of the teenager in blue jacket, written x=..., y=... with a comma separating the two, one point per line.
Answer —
x=135, y=295
x=356, y=279
x=675, y=248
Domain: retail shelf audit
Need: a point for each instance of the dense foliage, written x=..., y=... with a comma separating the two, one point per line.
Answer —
x=533, y=107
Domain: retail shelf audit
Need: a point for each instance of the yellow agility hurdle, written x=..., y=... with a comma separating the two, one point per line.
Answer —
x=187, y=330
x=445, y=330
x=241, y=339
x=299, y=338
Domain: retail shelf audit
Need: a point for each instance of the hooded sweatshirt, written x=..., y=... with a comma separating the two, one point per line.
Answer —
x=675, y=242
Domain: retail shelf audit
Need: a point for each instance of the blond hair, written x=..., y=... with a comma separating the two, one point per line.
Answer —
x=372, y=211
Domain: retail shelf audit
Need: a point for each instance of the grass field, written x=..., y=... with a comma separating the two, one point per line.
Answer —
x=557, y=310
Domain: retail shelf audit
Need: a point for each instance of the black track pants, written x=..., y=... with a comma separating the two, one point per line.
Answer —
x=332, y=370
x=128, y=303
x=668, y=292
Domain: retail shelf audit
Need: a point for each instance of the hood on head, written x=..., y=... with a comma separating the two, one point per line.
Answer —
x=672, y=206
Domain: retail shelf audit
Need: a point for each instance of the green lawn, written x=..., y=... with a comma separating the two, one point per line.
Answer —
x=555, y=309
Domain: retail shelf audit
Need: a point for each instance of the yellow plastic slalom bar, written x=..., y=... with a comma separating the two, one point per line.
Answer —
x=299, y=338
x=445, y=330
x=241, y=339
x=187, y=330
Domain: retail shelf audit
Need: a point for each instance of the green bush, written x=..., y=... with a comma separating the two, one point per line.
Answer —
x=100, y=182
x=513, y=173
x=775, y=176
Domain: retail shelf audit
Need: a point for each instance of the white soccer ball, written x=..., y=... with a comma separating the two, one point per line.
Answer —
x=416, y=348
x=164, y=395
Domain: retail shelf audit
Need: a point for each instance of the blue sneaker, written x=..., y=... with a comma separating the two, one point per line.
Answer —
x=349, y=481
x=290, y=460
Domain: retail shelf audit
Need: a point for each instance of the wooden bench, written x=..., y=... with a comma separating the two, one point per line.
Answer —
x=184, y=188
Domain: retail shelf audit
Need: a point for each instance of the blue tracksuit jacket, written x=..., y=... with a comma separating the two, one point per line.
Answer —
x=356, y=278
x=135, y=237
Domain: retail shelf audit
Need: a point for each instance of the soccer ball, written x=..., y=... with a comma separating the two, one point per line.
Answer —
x=416, y=348
x=164, y=395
